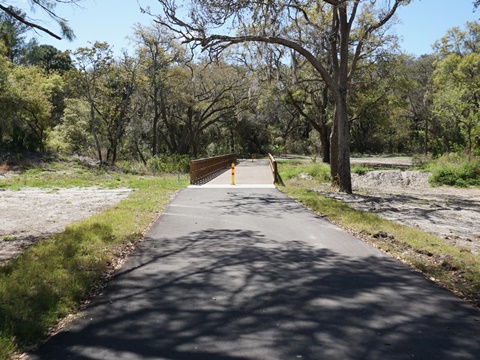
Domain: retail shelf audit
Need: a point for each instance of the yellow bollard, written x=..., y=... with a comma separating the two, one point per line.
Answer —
x=253, y=157
x=233, y=173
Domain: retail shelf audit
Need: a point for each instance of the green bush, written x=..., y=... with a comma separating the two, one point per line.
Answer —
x=7, y=346
x=319, y=172
x=455, y=170
x=360, y=169
x=169, y=164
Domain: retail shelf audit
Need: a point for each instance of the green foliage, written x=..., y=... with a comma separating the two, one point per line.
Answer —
x=455, y=170
x=47, y=57
x=71, y=136
x=169, y=164
x=456, y=83
x=48, y=7
x=7, y=346
x=12, y=33
x=360, y=169
x=27, y=106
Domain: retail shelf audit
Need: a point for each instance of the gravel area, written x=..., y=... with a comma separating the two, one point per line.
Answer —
x=31, y=214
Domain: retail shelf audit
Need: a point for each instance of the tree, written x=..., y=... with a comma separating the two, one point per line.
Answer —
x=71, y=136
x=415, y=89
x=347, y=25
x=158, y=52
x=27, y=105
x=205, y=94
x=457, y=95
x=456, y=82
x=108, y=86
x=93, y=65
x=48, y=7
x=12, y=32
x=47, y=57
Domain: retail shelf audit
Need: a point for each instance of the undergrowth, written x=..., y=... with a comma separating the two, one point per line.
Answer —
x=360, y=169
x=455, y=170
x=292, y=170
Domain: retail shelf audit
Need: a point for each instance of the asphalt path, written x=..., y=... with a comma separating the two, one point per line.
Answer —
x=244, y=273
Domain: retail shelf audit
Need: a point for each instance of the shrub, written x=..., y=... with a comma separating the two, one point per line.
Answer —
x=169, y=163
x=360, y=169
x=455, y=170
x=7, y=346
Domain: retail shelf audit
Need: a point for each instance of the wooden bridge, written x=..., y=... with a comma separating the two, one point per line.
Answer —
x=217, y=172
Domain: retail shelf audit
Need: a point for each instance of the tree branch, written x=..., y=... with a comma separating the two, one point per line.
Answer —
x=220, y=42
x=28, y=23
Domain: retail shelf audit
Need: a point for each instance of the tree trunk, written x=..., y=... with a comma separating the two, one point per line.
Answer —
x=139, y=152
x=334, y=152
x=342, y=71
x=344, y=175
x=426, y=137
x=325, y=143
x=155, y=132
x=94, y=132
x=324, y=135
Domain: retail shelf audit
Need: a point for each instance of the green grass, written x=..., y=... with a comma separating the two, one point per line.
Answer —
x=453, y=267
x=360, y=169
x=50, y=279
x=294, y=169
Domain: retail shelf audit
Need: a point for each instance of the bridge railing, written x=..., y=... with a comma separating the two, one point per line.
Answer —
x=273, y=168
x=202, y=169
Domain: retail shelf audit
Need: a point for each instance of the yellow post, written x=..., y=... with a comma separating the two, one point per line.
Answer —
x=233, y=173
x=253, y=157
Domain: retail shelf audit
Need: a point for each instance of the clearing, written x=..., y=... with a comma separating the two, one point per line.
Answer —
x=31, y=214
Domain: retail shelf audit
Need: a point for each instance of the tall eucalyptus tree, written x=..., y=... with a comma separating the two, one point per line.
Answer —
x=347, y=25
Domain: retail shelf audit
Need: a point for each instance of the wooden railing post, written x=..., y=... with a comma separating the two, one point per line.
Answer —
x=273, y=167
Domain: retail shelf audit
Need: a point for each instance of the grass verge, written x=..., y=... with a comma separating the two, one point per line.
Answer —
x=454, y=268
x=53, y=277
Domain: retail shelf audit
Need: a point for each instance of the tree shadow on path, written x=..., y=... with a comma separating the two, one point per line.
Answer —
x=234, y=294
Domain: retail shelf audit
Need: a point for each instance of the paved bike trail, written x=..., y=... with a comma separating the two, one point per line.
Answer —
x=241, y=273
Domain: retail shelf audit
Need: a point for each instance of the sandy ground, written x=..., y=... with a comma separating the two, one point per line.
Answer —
x=406, y=197
x=31, y=214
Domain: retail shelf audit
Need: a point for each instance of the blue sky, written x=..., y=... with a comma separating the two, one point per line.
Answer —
x=421, y=23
